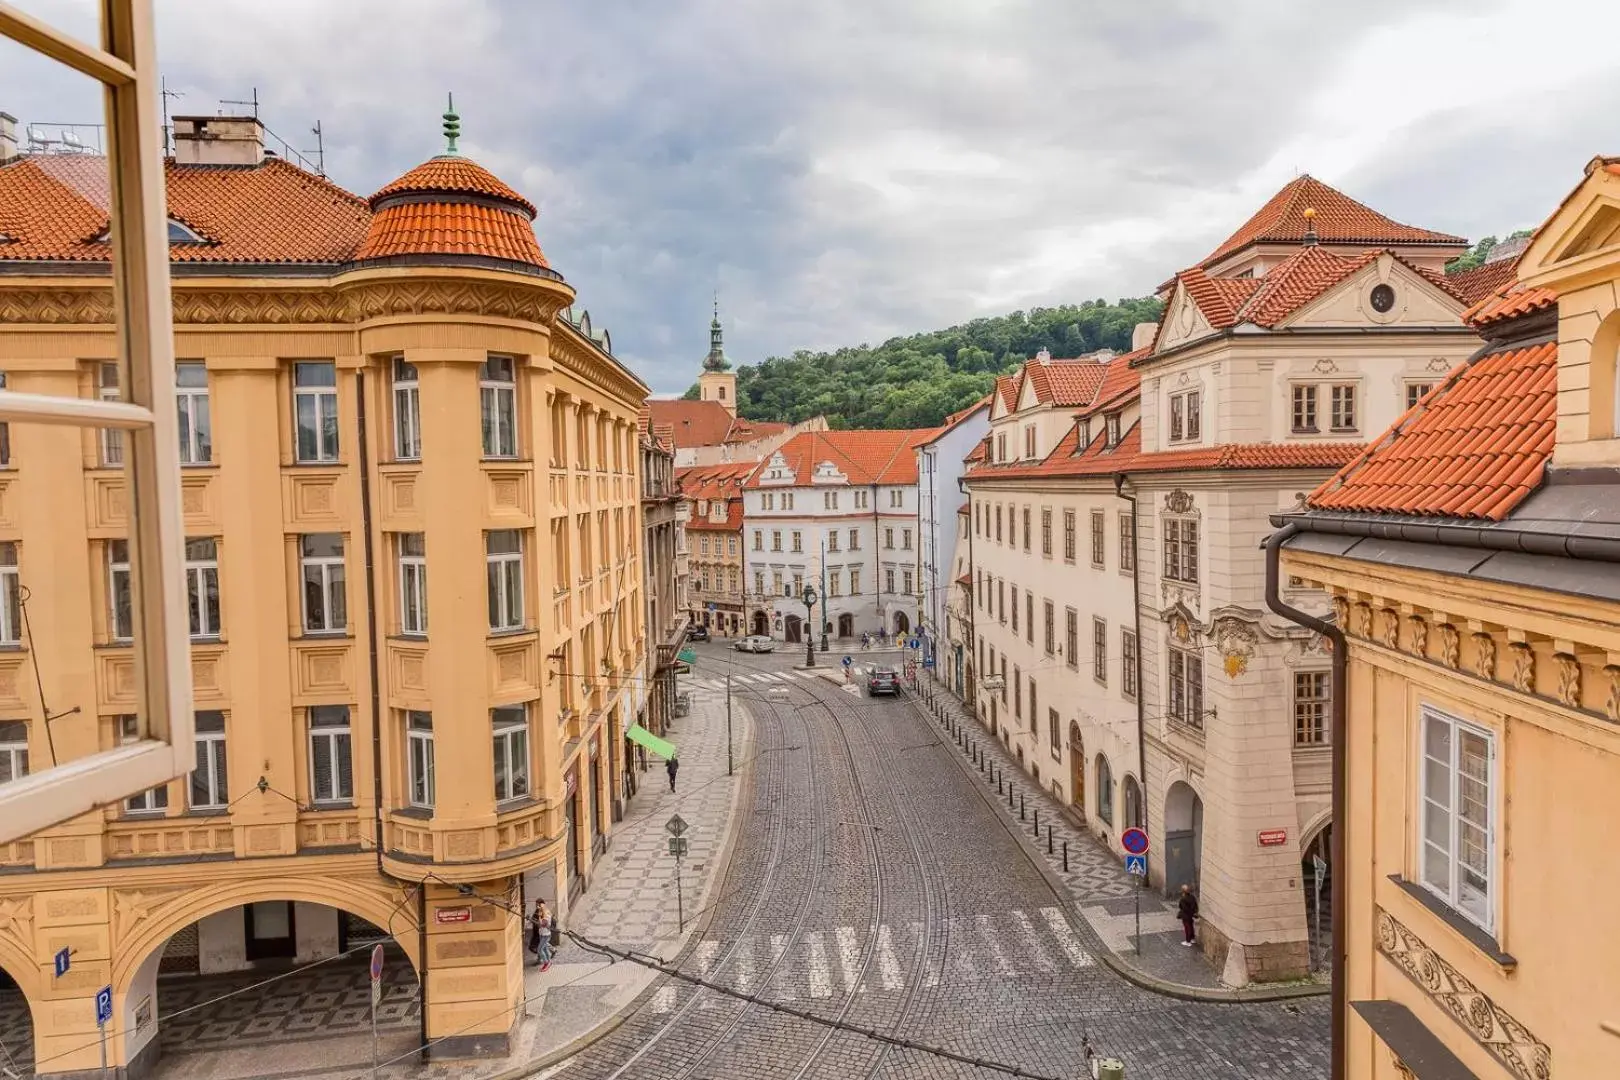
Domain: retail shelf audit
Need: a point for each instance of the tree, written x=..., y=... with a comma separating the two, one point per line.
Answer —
x=1481, y=252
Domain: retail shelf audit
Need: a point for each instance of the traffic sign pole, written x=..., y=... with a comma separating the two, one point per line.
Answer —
x=1135, y=843
x=376, y=994
x=103, y=1014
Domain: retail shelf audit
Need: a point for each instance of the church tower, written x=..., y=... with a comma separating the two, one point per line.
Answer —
x=718, y=382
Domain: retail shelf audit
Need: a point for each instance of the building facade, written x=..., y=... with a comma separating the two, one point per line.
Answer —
x=1185, y=704
x=1470, y=557
x=713, y=495
x=940, y=497
x=836, y=510
x=664, y=544
x=390, y=597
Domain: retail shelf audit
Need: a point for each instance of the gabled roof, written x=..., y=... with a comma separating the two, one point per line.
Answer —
x=1006, y=389
x=1339, y=219
x=710, y=482
x=1062, y=383
x=1122, y=382
x=864, y=457
x=958, y=418
x=708, y=423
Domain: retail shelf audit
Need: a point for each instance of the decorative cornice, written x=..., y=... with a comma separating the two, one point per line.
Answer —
x=1490, y=1025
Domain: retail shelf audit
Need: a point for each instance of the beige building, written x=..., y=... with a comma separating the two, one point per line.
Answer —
x=1122, y=505
x=412, y=501
x=664, y=547
x=714, y=536
x=1470, y=555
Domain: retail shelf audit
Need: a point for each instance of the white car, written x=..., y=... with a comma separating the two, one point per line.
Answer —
x=756, y=643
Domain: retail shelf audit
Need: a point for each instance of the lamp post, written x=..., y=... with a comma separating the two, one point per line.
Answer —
x=810, y=626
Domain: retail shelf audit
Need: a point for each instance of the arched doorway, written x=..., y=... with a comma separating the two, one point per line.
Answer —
x=1133, y=803
x=1316, y=875
x=846, y=625
x=902, y=625
x=16, y=1028
x=1105, y=790
x=762, y=624
x=793, y=625
x=1077, y=769
x=1183, y=837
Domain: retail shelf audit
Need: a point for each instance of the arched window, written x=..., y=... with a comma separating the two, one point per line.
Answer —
x=1133, y=803
x=1105, y=790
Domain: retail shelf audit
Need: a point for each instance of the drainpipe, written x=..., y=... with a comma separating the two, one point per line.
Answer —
x=877, y=558
x=371, y=619
x=1341, y=763
x=1136, y=610
x=422, y=951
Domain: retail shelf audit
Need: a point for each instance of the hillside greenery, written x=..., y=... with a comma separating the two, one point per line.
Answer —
x=1481, y=251
x=918, y=380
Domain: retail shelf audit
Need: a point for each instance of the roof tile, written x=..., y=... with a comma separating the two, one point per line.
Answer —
x=864, y=456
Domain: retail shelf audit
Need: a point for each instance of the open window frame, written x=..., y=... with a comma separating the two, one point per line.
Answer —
x=126, y=66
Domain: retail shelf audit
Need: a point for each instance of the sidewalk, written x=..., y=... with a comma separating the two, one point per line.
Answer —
x=1105, y=896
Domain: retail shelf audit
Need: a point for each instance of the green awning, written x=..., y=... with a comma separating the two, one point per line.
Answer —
x=638, y=734
x=688, y=656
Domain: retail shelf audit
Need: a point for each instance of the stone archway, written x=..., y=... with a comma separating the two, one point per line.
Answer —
x=1183, y=837
x=1077, y=768
x=902, y=625
x=762, y=624
x=792, y=631
x=846, y=625
x=17, y=1027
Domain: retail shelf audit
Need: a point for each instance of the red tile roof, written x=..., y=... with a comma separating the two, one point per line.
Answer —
x=1007, y=387
x=1064, y=383
x=448, y=228
x=1122, y=381
x=865, y=457
x=1339, y=220
x=1513, y=302
x=451, y=173
x=1474, y=447
x=52, y=206
x=716, y=482
x=1483, y=280
x=707, y=423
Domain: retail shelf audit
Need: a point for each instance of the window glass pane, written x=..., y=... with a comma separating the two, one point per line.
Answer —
x=503, y=541
x=315, y=373
x=308, y=428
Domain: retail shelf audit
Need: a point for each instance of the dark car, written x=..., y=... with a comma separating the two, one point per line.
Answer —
x=699, y=632
x=883, y=680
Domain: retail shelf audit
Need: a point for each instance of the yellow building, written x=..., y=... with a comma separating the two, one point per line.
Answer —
x=1470, y=554
x=412, y=502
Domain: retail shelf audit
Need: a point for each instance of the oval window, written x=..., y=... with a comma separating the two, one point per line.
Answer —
x=1382, y=298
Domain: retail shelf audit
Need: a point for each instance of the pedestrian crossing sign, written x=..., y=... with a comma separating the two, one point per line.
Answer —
x=1136, y=865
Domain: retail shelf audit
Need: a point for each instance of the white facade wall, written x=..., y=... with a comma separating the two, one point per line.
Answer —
x=939, y=497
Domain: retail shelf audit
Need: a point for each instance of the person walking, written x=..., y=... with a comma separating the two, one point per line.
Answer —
x=672, y=766
x=1187, y=912
x=540, y=934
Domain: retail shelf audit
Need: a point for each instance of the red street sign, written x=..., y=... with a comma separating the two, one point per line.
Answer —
x=1134, y=841
x=453, y=914
x=1273, y=837
x=376, y=963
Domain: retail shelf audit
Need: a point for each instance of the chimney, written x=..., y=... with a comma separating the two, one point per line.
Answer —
x=1142, y=336
x=218, y=140
x=1043, y=356
x=8, y=137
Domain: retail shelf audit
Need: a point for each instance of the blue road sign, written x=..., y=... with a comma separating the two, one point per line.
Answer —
x=928, y=661
x=1134, y=841
x=1136, y=864
x=847, y=661
x=103, y=1006
x=63, y=959
x=913, y=643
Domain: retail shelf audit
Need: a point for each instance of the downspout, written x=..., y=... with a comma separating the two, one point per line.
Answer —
x=877, y=560
x=929, y=608
x=422, y=951
x=1136, y=610
x=973, y=601
x=371, y=619
x=1339, y=899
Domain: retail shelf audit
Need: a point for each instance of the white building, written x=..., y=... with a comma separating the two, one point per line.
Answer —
x=836, y=510
x=940, y=497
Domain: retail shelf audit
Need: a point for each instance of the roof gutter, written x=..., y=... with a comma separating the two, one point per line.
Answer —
x=1484, y=537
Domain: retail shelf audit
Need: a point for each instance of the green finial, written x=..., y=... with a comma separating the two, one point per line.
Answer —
x=452, y=125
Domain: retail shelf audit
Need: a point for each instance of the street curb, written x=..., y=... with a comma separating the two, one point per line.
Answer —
x=583, y=1041
x=1060, y=889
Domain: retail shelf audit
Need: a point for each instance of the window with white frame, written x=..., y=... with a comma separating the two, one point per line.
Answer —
x=860, y=499
x=854, y=539
x=1029, y=440
x=776, y=539
x=112, y=440
x=906, y=582
x=1342, y=414
x=905, y=538
x=829, y=500
x=153, y=800
x=1310, y=708
x=832, y=540
x=1049, y=625
x=787, y=500
x=798, y=540
x=209, y=789
x=497, y=398
x=888, y=579
x=759, y=540
x=1415, y=392
x=1186, y=669
x=13, y=750
x=202, y=586
x=413, y=596
x=888, y=538
x=1068, y=536
x=854, y=581
x=1054, y=734
x=331, y=754
x=1186, y=416
x=1114, y=430
x=1026, y=528
x=897, y=498
x=5, y=433
x=1105, y=790
x=835, y=583
x=1001, y=446
x=1457, y=838
x=1304, y=410
x=1099, y=540
x=1127, y=663
x=1099, y=650
x=1181, y=550
x=511, y=723
x=191, y=401
x=759, y=582
x=407, y=412
x=503, y=560
x=326, y=606
x=419, y=786
x=315, y=411
x=703, y=545
x=731, y=545
x=1046, y=532
x=1127, y=543
x=10, y=596
x=1071, y=637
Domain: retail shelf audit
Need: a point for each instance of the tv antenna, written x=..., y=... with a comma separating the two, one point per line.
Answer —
x=254, y=103
x=320, y=149
x=165, y=94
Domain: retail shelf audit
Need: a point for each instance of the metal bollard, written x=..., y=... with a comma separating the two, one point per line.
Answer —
x=1037, y=821
x=1065, y=856
x=1020, y=808
x=1049, y=839
x=998, y=785
x=1009, y=794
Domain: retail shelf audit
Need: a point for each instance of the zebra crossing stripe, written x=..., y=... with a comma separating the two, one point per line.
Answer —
x=987, y=933
x=664, y=1000
x=1028, y=935
x=849, y=956
x=745, y=965
x=888, y=965
x=820, y=974
x=1064, y=933
x=778, y=947
x=705, y=956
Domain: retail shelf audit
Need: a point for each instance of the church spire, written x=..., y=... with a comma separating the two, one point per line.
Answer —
x=716, y=360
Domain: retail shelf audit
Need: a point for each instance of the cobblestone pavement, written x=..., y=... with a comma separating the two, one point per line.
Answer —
x=872, y=885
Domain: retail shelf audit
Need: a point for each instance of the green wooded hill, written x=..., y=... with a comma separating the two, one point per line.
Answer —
x=918, y=380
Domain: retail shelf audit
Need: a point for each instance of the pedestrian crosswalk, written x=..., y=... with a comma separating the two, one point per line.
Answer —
x=823, y=964
x=752, y=678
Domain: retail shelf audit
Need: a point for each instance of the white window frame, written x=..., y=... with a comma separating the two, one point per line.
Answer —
x=111, y=439
x=512, y=752
x=13, y=751
x=854, y=581
x=1449, y=892
x=1311, y=712
x=407, y=411
x=126, y=64
x=1128, y=646
x=211, y=768
x=1304, y=410
x=154, y=801
x=331, y=578
x=1416, y=390
x=420, y=781
x=1099, y=649
x=323, y=404
x=1181, y=562
x=337, y=739
x=413, y=595
x=192, y=405
x=1179, y=667
x=10, y=595
x=497, y=405
x=504, y=580
x=202, y=571
x=1344, y=408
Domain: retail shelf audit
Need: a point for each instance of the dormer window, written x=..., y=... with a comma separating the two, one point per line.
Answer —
x=1085, y=434
x=179, y=233
x=1113, y=430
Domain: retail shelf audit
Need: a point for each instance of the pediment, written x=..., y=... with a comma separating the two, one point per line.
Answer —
x=1354, y=302
x=1582, y=237
x=1027, y=398
x=1183, y=322
x=998, y=405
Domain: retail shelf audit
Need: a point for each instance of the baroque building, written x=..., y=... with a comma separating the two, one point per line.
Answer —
x=412, y=499
x=714, y=525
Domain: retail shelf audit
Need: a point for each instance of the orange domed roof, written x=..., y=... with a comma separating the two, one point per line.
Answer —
x=449, y=205
x=454, y=175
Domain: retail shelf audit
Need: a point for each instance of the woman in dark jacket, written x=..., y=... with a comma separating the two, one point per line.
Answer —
x=1187, y=911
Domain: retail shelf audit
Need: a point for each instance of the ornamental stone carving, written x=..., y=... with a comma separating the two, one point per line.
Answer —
x=1236, y=639
x=1485, y=656
x=1494, y=1028
x=17, y=922
x=1524, y=667
x=1390, y=628
x=1178, y=502
x=1450, y=646
x=1569, y=680
x=1363, y=617
x=1341, y=612
x=1420, y=634
x=1611, y=705
x=56, y=306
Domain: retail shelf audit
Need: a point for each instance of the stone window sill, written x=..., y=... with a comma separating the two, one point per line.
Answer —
x=1470, y=932
x=415, y=813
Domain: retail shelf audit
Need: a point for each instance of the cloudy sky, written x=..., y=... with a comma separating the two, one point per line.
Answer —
x=848, y=170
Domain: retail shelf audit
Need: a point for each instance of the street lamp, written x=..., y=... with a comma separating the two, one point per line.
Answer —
x=810, y=626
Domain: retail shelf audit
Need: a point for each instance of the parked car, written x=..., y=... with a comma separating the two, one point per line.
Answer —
x=756, y=643
x=698, y=632
x=883, y=680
